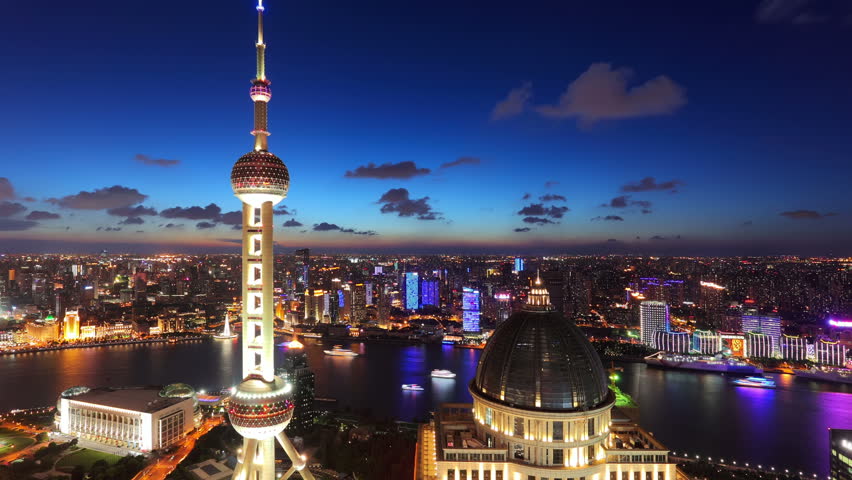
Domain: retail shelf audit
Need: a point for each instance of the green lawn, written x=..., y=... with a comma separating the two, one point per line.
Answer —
x=86, y=458
x=11, y=441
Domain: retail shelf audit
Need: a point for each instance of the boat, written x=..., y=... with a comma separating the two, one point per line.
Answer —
x=172, y=340
x=310, y=335
x=827, y=374
x=716, y=363
x=339, y=351
x=412, y=387
x=442, y=374
x=757, y=382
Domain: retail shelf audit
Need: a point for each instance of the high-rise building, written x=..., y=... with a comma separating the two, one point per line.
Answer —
x=519, y=265
x=470, y=309
x=758, y=345
x=653, y=317
x=770, y=325
x=303, y=264
x=295, y=372
x=840, y=454
x=412, y=290
x=430, y=292
x=830, y=353
x=706, y=342
x=359, y=304
x=794, y=348
x=260, y=407
x=71, y=325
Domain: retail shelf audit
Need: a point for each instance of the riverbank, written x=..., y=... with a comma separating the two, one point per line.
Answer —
x=111, y=343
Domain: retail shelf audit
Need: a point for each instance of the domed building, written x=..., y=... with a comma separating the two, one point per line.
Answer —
x=542, y=410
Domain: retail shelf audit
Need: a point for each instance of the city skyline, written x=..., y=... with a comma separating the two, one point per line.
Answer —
x=730, y=141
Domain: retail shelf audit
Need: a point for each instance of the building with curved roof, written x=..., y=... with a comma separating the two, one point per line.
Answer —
x=542, y=410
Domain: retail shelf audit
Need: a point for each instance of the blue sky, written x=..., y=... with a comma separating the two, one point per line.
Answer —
x=742, y=107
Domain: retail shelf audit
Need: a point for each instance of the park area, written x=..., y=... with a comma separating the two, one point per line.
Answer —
x=86, y=458
x=12, y=441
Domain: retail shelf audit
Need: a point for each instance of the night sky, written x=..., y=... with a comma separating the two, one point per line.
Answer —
x=442, y=126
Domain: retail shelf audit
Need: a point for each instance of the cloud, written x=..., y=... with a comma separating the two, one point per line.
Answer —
x=136, y=211
x=537, y=220
x=282, y=210
x=330, y=227
x=172, y=225
x=526, y=196
x=601, y=93
x=658, y=237
x=7, y=209
x=611, y=240
x=42, y=215
x=462, y=161
x=609, y=218
x=210, y=212
x=7, y=191
x=384, y=171
x=514, y=104
x=550, y=183
x=649, y=184
x=538, y=209
x=101, y=199
x=15, y=225
x=552, y=198
x=234, y=218
x=800, y=12
x=292, y=223
x=806, y=215
x=399, y=201
x=28, y=199
x=108, y=229
x=132, y=221
x=522, y=230
x=624, y=201
x=747, y=223
x=204, y=225
x=159, y=162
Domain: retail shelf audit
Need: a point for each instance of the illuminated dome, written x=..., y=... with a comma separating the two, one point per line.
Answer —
x=538, y=360
x=260, y=409
x=260, y=176
x=74, y=391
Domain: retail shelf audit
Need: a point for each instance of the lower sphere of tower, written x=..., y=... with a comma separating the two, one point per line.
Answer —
x=260, y=408
x=260, y=176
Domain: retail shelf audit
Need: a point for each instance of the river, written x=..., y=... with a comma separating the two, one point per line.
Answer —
x=698, y=413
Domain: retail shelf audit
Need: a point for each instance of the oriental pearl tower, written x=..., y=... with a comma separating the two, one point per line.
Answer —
x=260, y=407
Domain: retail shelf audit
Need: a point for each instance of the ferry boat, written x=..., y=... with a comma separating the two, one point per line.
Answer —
x=443, y=374
x=828, y=374
x=339, y=351
x=311, y=335
x=757, y=382
x=703, y=363
x=412, y=387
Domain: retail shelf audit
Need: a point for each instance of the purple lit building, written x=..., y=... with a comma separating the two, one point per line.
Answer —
x=470, y=310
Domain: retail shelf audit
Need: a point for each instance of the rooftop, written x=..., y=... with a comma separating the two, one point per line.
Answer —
x=142, y=399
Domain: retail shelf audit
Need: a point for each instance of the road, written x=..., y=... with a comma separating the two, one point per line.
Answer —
x=161, y=468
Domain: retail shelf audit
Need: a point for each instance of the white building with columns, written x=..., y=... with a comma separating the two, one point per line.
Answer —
x=127, y=419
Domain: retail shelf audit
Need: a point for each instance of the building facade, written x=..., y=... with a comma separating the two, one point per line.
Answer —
x=653, y=317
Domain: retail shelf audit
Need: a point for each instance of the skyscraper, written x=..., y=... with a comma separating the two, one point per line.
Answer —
x=770, y=325
x=412, y=290
x=653, y=317
x=519, y=264
x=470, y=310
x=295, y=372
x=260, y=407
x=429, y=292
x=303, y=262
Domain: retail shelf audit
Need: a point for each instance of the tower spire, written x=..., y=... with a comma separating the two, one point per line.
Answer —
x=260, y=91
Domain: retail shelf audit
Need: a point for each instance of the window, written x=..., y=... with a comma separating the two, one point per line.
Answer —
x=647, y=475
x=463, y=474
x=519, y=427
x=451, y=456
x=637, y=476
x=474, y=475
x=530, y=477
x=558, y=458
x=557, y=431
x=591, y=453
x=613, y=476
x=489, y=416
x=519, y=451
x=624, y=475
x=661, y=476
x=498, y=475
x=592, y=427
x=486, y=475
